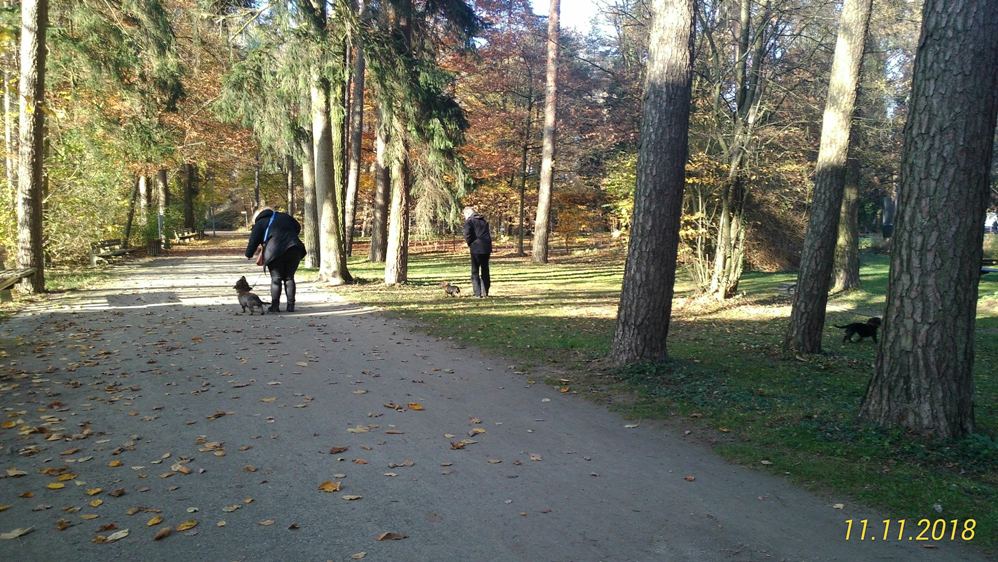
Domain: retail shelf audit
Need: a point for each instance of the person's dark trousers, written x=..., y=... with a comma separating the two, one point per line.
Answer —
x=282, y=272
x=480, y=280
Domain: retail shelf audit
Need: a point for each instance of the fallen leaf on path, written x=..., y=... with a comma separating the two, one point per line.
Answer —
x=391, y=536
x=89, y=516
x=117, y=536
x=535, y=457
x=268, y=399
x=5, y=506
x=475, y=431
x=96, y=503
x=351, y=498
x=564, y=389
x=266, y=522
x=359, y=429
x=117, y=493
x=114, y=464
x=767, y=463
x=94, y=491
x=15, y=473
x=187, y=525
x=359, y=461
x=182, y=469
x=250, y=468
x=839, y=506
x=63, y=524
x=632, y=425
x=154, y=521
x=329, y=486
x=231, y=508
x=358, y=555
x=162, y=533
x=216, y=415
x=16, y=533
x=689, y=478
x=338, y=450
x=55, y=485
x=66, y=477
x=416, y=406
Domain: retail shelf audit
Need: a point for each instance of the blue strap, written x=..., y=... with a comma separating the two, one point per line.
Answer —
x=266, y=233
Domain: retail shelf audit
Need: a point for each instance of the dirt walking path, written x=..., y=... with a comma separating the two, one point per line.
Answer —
x=153, y=399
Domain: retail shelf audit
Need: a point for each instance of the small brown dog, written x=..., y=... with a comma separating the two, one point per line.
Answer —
x=246, y=298
x=451, y=290
x=869, y=329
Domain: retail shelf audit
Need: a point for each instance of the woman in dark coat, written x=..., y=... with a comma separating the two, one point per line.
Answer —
x=282, y=252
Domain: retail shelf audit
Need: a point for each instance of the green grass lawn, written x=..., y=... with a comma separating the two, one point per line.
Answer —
x=727, y=380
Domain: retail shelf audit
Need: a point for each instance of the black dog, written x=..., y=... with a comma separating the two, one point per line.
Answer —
x=246, y=298
x=867, y=330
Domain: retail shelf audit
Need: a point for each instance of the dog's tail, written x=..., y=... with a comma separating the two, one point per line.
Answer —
x=840, y=327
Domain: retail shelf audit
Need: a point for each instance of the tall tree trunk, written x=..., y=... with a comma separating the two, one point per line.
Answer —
x=190, y=177
x=807, y=315
x=382, y=194
x=339, y=144
x=924, y=375
x=162, y=190
x=143, y=200
x=650, y=273
x=31, y=97
x=257, y=199
x=162, y=200
x=289, y=169
x=310, y=220
x=542, y=223
x=524, y=160
x=9, y=122
x=356, y=136
x=131, y=212
x=397, y=259
x=846, y=268
x=332, y=263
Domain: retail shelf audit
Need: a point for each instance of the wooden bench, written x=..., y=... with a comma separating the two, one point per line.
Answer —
x=185, y=235
x=10, y=277
x=106, y=250
x=986, y=262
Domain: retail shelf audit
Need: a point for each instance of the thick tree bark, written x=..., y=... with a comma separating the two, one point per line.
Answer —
x=356, y=136
x=650, y=273
x=332, y=262
x=845, y=274
x=924, y=375
x=190, y=177
x=807, y=315
x=31, y=98
x=382, y=194
x=542, y=222
x=397, y=258
x=144, y=200
x=310, y=220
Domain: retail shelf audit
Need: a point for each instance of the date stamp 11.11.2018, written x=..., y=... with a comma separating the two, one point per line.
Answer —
x=911, y=530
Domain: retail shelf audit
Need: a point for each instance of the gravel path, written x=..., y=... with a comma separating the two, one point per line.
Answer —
x=159, y=399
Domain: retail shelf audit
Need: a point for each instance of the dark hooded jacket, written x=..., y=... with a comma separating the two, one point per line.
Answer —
x=281, y=239
x=477, y=235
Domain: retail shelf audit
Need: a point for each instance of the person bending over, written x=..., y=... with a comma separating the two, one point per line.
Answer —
x=282, y=252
